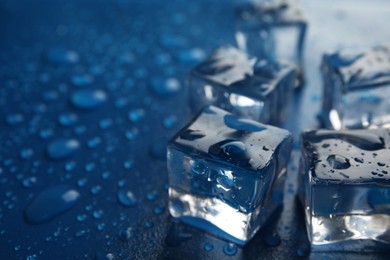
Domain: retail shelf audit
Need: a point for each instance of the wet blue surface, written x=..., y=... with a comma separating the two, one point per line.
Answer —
x=138, y=54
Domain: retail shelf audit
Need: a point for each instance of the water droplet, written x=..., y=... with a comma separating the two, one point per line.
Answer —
x=81, y=80
x=170, y=121
x=191, y=56
x=158, y=210
x=125, y=234
x=338, y=162
x=126, y=198
x=14, y=119
x=67, y=119
x=359, y=160
x=132, y=134
x=62, y=148
x=94, y=142
x=208, y=247
x=29, y=182
x=81, y=218
x=105, y=123
x=32, y=257
x=128, y=165
x=136, y=115
x=98, y=214
x=62, y=56
x=50, y=203
x=192, y=135
x=230, y=150
x=96, y=189
x=242, y=124
x=165, y=88
x=148, y=224
x=151, y=195
x=230, y=249
x=46, y=133
x=88, y=98
x=272, y=239
x=26, y=153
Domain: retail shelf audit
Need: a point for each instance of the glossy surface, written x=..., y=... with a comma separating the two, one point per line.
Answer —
x=273, y=30
x=227, y=176
x=246, y=86
x=345, y=186
x=356, y=88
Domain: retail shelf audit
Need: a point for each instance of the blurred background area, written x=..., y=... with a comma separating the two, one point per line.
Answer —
x=91, y=91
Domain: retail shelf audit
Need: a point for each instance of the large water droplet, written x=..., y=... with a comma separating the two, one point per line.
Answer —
x=62, y=148
x=50, y=203
x=242, y=124
x=230, y=150
x=88, y=98
x=338, y=162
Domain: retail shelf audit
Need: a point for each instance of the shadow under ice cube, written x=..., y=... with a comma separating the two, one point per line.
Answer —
x=345, y=188
x=273, y=30
x=356, y=89
x=226, y=174
x=243, y=85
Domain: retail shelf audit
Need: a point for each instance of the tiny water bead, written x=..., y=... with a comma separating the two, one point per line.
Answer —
x=230, y=249
x=165, y=88
x=136, y=115
x=50, y=203
x=98, y=214
x=67, y=119
x=81, y=80
x=62, y=148
x=208, y=247
x=126, y=198
x=88, y=98
x=26, y=153
x=272, y=239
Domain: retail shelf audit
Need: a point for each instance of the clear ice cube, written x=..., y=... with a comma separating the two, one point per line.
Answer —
x=274, y=30
x=345, y=188
x=356, y=89
x=226, y=174
x=243, y=85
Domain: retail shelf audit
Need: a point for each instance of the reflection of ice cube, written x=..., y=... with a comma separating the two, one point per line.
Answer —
x=243, y=85
x=226, y=174
x=274, y=30
x=345, y=188
x=356, y=89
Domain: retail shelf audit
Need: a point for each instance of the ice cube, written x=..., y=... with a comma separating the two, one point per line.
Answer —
x=226, y=174
x=274, y=30
x=345, y=188
x=244, y=85
x=356, y=88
